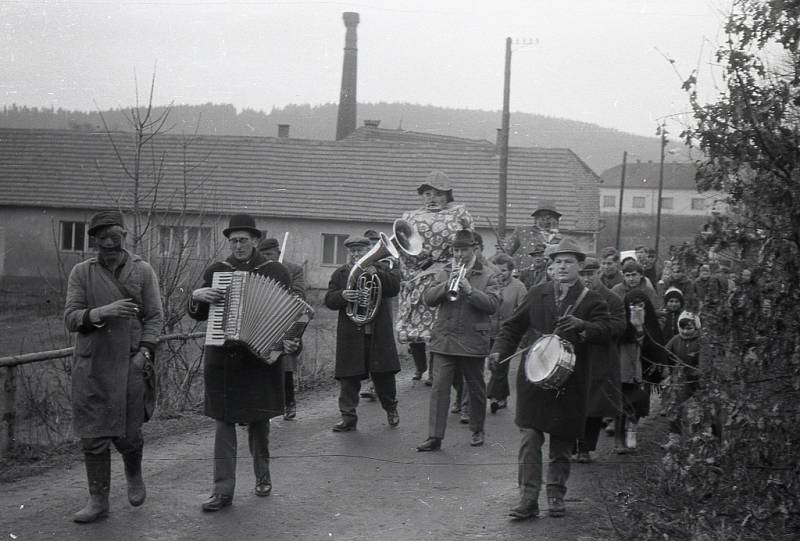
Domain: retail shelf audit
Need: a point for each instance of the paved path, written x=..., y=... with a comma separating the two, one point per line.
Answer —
x=366, y=485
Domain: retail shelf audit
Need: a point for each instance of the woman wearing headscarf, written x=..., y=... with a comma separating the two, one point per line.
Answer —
x=437, y=221
x=642, y=357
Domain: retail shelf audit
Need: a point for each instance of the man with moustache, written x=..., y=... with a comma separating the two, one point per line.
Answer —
x=240, y=388
x=567, y=308
x=113, y=305
x=460, y=337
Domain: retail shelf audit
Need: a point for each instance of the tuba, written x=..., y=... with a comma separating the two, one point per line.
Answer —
x=404, y=238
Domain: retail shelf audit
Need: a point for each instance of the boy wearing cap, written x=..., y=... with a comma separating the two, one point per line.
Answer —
x=364, y=350
x=460, y=336
x=113, y=304
x=240, y=388
x=567, y=308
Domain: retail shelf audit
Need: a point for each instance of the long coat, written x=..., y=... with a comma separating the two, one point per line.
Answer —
x=298, y=287
x=605, y=399
x=351, y=358
x=561, y=413
x=102, y=373
x=240, y=387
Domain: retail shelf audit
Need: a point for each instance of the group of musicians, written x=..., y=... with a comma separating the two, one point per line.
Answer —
x=447, y=292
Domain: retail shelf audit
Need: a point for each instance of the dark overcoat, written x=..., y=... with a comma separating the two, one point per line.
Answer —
x=561, y=413
x=605, y=399
x=352, y=359
x=240, y=387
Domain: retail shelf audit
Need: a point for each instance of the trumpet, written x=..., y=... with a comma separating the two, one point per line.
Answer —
x=455, y=279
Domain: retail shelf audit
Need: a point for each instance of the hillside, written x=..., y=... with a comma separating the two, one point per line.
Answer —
x=601, y=148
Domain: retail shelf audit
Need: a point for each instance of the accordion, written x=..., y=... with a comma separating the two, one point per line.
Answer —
x=257, y=312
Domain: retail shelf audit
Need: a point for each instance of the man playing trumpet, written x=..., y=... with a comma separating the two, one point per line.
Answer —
x=466, y=294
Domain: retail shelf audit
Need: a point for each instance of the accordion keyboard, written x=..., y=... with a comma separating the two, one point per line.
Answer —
x=215, y=327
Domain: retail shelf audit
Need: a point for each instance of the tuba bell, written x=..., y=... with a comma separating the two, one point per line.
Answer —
x=405, y=238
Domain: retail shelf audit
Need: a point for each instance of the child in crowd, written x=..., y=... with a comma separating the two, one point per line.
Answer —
x=684, y=351
x=669, y=314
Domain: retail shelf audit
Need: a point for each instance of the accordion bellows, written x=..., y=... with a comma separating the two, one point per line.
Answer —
x=257, y=311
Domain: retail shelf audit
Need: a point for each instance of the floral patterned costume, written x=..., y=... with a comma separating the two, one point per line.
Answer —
x=437, y=228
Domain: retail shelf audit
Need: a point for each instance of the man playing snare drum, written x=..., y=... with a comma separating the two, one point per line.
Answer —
x=566, y=308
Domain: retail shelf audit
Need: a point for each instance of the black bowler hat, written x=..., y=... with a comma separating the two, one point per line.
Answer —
x=242, y=222
x=105, y=218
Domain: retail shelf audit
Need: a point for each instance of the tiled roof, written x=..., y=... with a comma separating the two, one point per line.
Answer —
x=677, y=176
x=359, y=178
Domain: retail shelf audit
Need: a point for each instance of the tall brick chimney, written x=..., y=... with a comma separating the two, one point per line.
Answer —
x=346, y=121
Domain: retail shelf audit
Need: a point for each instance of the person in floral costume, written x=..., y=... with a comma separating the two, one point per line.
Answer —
x=437, y=221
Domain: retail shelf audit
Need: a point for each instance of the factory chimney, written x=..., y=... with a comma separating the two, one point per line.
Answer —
x=346, y=121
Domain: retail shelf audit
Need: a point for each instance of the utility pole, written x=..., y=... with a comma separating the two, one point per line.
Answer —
x=663, y=131
x=503, y=143
x=621, y=193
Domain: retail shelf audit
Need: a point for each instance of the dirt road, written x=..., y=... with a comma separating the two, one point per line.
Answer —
x=365, y=485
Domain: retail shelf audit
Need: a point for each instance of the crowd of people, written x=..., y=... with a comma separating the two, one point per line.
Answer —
x=607, y=332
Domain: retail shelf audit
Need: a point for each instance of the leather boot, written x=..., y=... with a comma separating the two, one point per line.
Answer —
x=133, y=475
x=98, y=473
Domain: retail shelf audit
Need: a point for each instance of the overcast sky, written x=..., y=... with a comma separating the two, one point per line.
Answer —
x=599, y=61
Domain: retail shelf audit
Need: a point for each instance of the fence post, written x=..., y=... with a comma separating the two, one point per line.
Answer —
x=8, y=413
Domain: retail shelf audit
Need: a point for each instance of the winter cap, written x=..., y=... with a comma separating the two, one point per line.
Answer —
x=268, y=244
x=355, y=241
x=105, y=218
x=673, y=293
x=689, y=316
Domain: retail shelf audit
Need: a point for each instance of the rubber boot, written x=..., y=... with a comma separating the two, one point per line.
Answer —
x=98, y=473
x=133, y=475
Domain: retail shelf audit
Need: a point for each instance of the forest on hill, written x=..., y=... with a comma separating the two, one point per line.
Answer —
x=601, y=148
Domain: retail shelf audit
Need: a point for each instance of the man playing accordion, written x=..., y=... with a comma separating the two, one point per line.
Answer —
x=240, y=388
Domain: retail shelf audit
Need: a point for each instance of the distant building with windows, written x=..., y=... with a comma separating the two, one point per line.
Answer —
x=684, y=210
x=318, y=192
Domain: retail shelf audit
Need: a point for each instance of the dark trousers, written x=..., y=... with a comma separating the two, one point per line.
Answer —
x=225, y=454
x=498, y=383
x=530, y=465
x=420, y=356
x=349, y=389
x=288, y=388
x=591, y=433
x=445, y=372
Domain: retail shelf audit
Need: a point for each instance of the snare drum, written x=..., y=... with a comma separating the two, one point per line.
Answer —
x=550, y=362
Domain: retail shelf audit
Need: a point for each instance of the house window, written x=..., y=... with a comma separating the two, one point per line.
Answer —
x=73, y=237
x=668, y=203
x=638, y=202
x=181, y=241
x=609, y=201
x=333, y=250
x=698, y=203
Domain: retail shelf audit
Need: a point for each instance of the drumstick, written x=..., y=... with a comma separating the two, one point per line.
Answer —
x=517, y=354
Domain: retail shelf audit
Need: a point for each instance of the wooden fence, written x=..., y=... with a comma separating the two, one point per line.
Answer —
x=8, y=384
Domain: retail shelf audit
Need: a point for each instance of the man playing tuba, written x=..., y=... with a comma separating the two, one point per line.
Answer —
x=365, y=345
